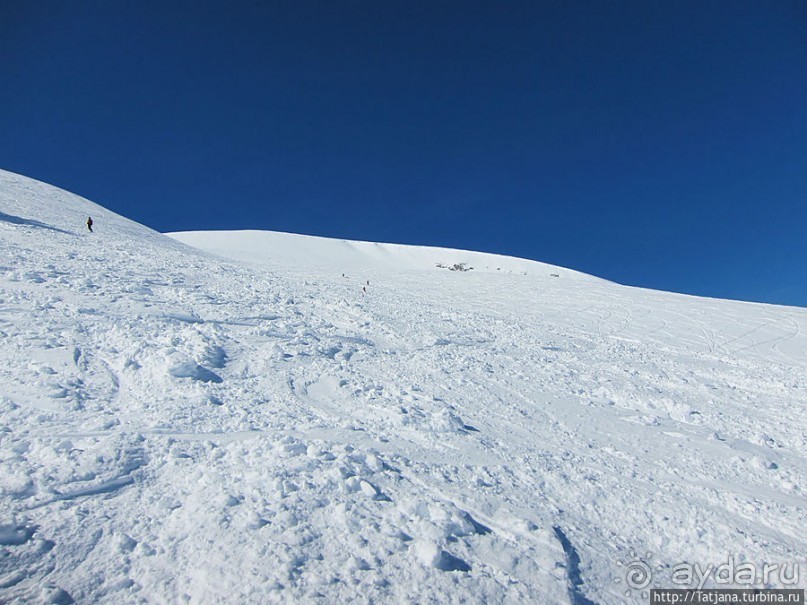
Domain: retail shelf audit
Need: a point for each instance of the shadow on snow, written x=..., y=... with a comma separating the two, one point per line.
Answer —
x=16, y=220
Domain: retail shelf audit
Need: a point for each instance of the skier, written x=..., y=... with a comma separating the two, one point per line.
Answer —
x=89, y=223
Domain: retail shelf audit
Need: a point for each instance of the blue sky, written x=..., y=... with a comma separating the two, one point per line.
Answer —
x=661, y=145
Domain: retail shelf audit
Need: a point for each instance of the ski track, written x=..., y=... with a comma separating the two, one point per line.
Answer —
x=179, y=426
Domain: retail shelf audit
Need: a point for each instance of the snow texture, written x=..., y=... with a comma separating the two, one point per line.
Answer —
x=261, y=417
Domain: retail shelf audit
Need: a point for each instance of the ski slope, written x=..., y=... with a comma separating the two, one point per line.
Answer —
x=239, y=417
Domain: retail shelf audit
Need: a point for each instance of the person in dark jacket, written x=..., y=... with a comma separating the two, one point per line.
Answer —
x=89, y=223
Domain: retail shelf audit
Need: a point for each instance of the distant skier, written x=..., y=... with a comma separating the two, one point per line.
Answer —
x=89, y=223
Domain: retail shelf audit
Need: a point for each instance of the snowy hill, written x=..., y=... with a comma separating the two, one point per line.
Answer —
x=271, y=249
x=241, y=422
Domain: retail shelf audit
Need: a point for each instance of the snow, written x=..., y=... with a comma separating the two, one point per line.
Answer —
x=239, y=417
x=270, y=249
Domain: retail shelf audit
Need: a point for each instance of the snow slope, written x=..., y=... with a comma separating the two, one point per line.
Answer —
x=275, y=250
x=180, y=426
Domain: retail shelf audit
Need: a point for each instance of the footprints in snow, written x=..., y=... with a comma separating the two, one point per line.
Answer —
x=15, y=535
x=372, y=405
x=186, y=368
x=76, y=479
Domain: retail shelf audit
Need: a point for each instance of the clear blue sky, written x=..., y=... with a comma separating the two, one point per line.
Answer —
x=655, y=144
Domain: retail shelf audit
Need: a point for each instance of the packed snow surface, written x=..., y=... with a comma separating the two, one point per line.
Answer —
x=252, y=417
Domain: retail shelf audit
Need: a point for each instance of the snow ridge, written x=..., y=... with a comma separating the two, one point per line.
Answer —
x=271, y=248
